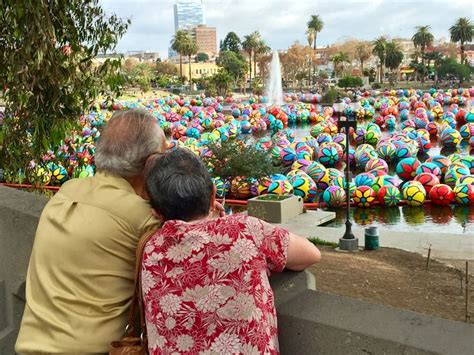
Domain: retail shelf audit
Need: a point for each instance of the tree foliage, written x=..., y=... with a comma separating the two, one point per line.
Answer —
x=231, y=43
x=202, y=57
x=462, y=31
x=233, y=63
x=234, y=158
x=422, y=39
x=47, y=52
x=450, y=69
x=379, y=50
x=350, y=81
x=296, y=63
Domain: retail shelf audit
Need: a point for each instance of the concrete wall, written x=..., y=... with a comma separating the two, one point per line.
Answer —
x=310, y=322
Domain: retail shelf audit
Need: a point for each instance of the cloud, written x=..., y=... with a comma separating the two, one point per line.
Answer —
x=281, y=22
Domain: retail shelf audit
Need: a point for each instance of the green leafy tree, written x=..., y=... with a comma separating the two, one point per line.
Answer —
x=314, y=25
x=393, y=58
x=261, y=49
x=421, y=39
x=434, y=59
x=350, y=81
x=339, y=59
x=222, y=81
x=462, y=31
x=178, y=44
x=47, y=51
x=450, y=69
x=142, y=76
x=165, y=68
x=202, y=57
x=234, y=64
x=231, y=43
x=379, y=51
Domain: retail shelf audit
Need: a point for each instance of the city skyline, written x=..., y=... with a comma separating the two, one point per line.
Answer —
x=282, y=24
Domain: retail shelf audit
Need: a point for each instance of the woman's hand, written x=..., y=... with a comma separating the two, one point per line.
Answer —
x=217, y=211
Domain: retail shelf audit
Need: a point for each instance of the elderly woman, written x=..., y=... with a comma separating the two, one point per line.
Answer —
x=81, y=273
x=204, y=280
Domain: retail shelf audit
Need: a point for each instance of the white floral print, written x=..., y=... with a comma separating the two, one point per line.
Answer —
x=184, y=342
x=226, y=344
x=245, y=248
x=170, y=304
x=148, y=281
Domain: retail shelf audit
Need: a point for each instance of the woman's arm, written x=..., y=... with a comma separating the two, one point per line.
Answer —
x=301, y=253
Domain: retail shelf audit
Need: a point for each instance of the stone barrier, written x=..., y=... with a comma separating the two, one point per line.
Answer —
x=310, y=322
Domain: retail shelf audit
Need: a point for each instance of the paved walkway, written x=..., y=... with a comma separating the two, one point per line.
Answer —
x=443, y=245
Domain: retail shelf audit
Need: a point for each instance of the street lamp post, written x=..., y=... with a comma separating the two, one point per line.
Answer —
x=348, y=242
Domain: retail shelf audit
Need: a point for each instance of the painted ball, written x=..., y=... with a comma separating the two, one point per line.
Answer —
x=468, y=161
x=441, y=194
x=389, y=196
x=376, y=164
x=221, y=188
x=304, y=186
x=453, y=173
x=414, y=193
x=334, y=196
x=364, y=179
x=428, y=167
x=287, y=156
x=406, y=168
x=386, y=151
x=280, y=187
x=59, y=173
x=240, y=188
x=324, y=180
x=441, y=161
x=328, y=155
x=428, y=180
x=450, y=137
x=315, y=169
x=466, y=179
x=464, y=194
x=364, y=196
x=467, y=131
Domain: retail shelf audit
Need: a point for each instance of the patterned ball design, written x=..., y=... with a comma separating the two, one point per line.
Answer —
x=428, y=180
x=220, y=185
x=450, y=137
x=464, y=194
x=413, y=193
x=453, y=173
x=467, y=131
x=304, y=186
x=324, y=180
x=376, y=164
x=441, y=161
x=468, y=161
x=364, y=196
x=466, y=179
x=364, y=179
x=287, y=156
x=363, y=157
x=328, y=155
x=315, y=169
x=334, y=196
x=387, y=152
x=442, y=195
x=300, y=164
x=406, y=168
x=240, y=188
x=280, y=187
x=58, y=173
x=428, y=167
x=389, y=196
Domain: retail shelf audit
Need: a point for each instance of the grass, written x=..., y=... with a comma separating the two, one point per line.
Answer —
x=317, y=241
x=271, y=197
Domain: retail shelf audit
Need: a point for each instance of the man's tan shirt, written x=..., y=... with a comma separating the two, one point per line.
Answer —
x=81, y=272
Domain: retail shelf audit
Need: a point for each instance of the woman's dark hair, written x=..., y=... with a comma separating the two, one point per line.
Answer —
x=179, y=186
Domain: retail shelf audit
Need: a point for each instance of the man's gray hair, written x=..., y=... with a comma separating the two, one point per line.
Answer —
x=129, y=138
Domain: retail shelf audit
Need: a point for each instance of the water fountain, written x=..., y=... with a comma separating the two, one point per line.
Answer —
x=274, y=89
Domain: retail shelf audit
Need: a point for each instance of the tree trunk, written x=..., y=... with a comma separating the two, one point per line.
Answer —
x=180, y=65
x=423, y=65
x=315, y=66
x=190, y=76
x=254, y=64
x=362, y=67
x=250, y=72
x=381, y=73
x=462, y=52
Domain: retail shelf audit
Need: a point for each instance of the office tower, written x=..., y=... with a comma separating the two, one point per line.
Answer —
x=188, y=14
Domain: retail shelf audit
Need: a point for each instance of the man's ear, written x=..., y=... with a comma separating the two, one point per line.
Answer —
x=158, y=215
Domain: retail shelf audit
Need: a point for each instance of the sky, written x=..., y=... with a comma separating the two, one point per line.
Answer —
x=282, y=22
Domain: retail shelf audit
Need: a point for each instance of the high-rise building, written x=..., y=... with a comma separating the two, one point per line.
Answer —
x=188, y=14
x=206, y=39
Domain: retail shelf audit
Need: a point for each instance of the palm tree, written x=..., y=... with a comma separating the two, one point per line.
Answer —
x=421, y=39
x=339, y=59
x=190, y=48
x=310, y=35
x=177, y=44
x=393, y=58
x=262, y=50
x=462, y=31
x=249, y=45
x=316, y=24
x=363, y=53
x=379, y=51
x=259, y=45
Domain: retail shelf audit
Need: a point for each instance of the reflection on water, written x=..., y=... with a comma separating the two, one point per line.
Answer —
x=451, y=219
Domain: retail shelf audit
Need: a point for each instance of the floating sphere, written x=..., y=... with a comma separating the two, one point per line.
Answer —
x=280, y=187
x=304, y=187
x=406, y=168
x=376, y=164
x=467, y=131
x=428, y=167
x=387, y=151
x=453, y=173
x=464, y=194
x=240, y=188
x=450, y=137
x=389, y=196
x=328, y=155
x=314, y=170
x=287, y=156
x=334, y=196
x=441, y=194
x=413, y=193
x=364, y=179
x=364, y=196
x=428, y=180
x=221, y=188
x=441, y=161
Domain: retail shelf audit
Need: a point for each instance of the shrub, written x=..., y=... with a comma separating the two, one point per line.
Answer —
x=376, y=86
x=331, y=95
x=350, y=82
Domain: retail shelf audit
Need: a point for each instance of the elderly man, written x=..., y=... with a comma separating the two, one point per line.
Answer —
x=81, y=272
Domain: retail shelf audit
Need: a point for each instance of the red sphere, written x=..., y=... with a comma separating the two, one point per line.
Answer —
x=441, y=194
x=428, y=180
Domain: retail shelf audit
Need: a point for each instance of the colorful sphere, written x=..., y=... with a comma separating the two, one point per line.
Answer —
x=453, y=173
x=414, y=193
x=304, y=187
x=364, y=196
x=406, y=168
x=280, y=187
x=464, y=194
x=428, y=180
x=328, y=155
x=441, y=161
x=334, y=196
x=441, y=194
x=428, y=167
x=389, y=196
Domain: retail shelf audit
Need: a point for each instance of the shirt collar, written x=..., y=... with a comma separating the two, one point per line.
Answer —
x=115, y=180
